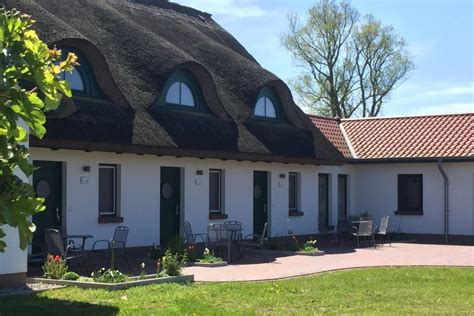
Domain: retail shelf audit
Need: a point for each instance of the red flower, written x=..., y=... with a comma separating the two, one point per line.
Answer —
x=190, y=248
x=158, y=264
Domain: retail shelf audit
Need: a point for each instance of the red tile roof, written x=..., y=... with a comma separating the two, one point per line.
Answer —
x=430, y=136
x=331, y=130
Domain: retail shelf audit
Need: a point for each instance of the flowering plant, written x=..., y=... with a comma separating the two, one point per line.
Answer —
x=142, y=270
x=209, y=257
x=108, y=276
x=172, y=264
x=310, y=246
x=55, y=267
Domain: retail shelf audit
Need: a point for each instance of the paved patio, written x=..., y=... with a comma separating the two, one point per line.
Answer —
x=254, y=267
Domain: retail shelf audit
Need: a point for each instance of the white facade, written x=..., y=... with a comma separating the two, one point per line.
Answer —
x=372, y=188
x=375, y=191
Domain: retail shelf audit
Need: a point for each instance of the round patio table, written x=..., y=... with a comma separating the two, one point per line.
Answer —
x=79, y=236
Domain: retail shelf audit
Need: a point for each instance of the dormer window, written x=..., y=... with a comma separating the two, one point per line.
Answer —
x=268, y=105
x=182, y=91
x=73, y=79
x=179, y=93
x=265, y=108
x=82, y=79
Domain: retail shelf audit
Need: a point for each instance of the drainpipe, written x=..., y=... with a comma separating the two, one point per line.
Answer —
x=446, y=200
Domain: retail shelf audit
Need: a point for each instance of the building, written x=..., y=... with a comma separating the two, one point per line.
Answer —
x=172, y=120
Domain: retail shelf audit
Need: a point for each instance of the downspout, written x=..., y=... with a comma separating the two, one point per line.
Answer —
x=446, y=201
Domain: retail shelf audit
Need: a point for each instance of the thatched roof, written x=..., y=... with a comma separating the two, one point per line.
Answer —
x=133, y=48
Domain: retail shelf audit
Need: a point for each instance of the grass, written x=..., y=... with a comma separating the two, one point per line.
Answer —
x=408, y=290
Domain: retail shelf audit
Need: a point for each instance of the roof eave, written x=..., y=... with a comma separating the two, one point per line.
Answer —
x=409, y=160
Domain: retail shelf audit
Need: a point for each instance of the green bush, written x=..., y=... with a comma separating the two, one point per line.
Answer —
x=71, y=276
x=209, y=257
x=172, y=263
x=54, y=268
x=109, y=276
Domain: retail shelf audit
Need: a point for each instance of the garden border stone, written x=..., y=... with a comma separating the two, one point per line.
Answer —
x=208, y=265
x=133, y=282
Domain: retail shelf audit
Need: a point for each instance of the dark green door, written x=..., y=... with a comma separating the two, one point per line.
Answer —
x=260, y=200
x=170, y=195
x=47, y=182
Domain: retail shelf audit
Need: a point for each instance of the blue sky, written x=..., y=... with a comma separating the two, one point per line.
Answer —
x=440, y=34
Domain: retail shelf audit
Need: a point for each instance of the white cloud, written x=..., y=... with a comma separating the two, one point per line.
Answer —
x=456, y=90
x=232, y=8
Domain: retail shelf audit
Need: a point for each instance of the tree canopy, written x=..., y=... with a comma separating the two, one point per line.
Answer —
x=30, y=86
x=350, y=64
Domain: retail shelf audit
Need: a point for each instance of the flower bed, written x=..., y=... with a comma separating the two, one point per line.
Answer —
x=131, y=281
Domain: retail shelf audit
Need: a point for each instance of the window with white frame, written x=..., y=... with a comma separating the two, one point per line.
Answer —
x=293, y=188
x=215, y=191
x=107, y=189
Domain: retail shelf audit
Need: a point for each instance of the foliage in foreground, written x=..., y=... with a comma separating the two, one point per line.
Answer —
x=30, y=86
x=379, y=291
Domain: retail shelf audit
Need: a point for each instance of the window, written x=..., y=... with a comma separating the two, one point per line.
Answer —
x=265, y=108
x=74, y=80
x=410, y=194
x=107, y=189
x=82, y=79
x=268, y=106
x=342, y=197
x=293, y=187
x=179, y=93
x=215, y=191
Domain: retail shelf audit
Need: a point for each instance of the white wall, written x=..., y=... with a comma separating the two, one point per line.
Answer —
x=375, y=191
x=13, y=260
x=140, y=178
x=372, y=188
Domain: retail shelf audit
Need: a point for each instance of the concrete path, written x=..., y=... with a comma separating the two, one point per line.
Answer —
x=250, y=269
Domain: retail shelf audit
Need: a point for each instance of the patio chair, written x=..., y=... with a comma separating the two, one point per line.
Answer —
x=256, y=241
x=191, y=238
x=54, y=245
x=365, y=229
x=382, y=230
x=117, y=245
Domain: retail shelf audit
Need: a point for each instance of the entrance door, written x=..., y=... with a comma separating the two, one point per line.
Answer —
x=323, y=201
x=170, y=200
x=260, y=200
x=47, y=182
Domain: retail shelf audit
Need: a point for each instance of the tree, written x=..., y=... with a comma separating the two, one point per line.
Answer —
x=30, y=86
x=350, y=64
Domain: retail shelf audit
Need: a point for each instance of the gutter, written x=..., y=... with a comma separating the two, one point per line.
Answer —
x=446, y=201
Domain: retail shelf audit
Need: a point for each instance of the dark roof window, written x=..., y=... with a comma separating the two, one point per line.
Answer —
x=268, y=105
x=183, y=91
x=82, y=79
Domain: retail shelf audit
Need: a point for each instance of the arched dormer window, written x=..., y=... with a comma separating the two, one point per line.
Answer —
x=179, y=93
x=82, y=79
x=268, y=105
x=183, y=91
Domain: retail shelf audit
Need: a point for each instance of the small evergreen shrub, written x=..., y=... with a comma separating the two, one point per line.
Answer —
x=71, y=276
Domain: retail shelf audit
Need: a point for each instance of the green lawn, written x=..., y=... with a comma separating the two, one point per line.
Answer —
x=364, y=291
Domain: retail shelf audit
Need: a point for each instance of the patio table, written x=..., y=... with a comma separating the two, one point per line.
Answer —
x=84, y=237
x=231, y=235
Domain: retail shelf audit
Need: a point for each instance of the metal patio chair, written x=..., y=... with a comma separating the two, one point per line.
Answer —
x=191, y=238
x=217, y=239
x=256, y=241
x=54, y=245
x=233, y=231
x=382, y=230
x=117, y=245
x=364, y=229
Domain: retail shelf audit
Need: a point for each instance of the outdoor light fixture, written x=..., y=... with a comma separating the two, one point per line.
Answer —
x=86, y=168
x=282, y=176
x=199, y=172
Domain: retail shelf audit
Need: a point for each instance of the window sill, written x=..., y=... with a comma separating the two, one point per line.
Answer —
x=295, y=213
x=218, y=216
x=103, y=219
x=415, y=213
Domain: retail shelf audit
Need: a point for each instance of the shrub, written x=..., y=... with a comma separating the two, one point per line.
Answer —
x=172, y=263
x=71, y=276
x=193, y=254
x=357, y=216
x=209, y=257
x=55, y=267
x=309, y=246
x=108, y=276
